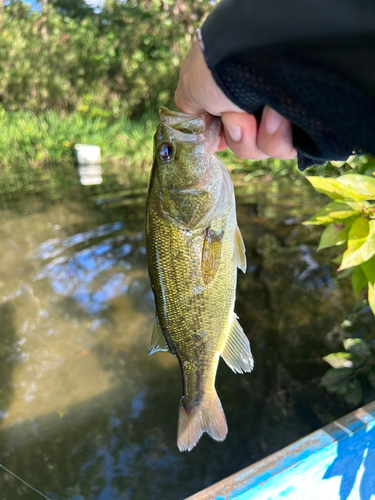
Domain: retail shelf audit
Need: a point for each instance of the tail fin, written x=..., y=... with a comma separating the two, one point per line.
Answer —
x=208, y=417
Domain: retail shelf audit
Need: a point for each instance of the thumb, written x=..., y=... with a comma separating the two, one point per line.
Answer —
x=197, y=91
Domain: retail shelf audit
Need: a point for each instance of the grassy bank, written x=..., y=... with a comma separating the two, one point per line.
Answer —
x=34, y=140
x=29, y=139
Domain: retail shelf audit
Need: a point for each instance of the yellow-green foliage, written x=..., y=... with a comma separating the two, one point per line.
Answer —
x=351, y=371
x=350, y=225
x=350, y=221
x=124, y=59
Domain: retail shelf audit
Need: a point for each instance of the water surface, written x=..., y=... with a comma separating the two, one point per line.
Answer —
x=85, y=413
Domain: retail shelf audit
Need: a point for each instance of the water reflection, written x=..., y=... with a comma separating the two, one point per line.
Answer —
x=87, y=275
x=90, y=175
x=85, y=413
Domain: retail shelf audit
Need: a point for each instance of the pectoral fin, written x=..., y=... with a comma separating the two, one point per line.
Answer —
x=158, y=342
x=211, y=254
x=239, y=251
x=237, y=352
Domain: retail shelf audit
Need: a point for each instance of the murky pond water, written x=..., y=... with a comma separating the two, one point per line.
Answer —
x=85, y=413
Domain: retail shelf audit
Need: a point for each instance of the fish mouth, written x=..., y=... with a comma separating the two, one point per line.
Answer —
x=182, y=122
x=190, y=128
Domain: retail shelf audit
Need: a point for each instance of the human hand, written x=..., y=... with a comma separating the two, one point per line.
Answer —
x=197, y=92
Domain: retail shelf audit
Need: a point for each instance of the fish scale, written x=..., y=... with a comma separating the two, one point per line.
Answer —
x=183, y=312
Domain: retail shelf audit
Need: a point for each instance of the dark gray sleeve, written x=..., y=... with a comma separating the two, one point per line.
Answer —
x=313, y=61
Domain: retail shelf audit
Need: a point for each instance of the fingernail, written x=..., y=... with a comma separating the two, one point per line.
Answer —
x=272, y=120
x=234, y=132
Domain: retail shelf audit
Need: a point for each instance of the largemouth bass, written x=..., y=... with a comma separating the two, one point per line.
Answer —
x=194, y=247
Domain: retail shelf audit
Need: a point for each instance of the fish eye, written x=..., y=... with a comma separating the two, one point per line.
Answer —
x=165, y=151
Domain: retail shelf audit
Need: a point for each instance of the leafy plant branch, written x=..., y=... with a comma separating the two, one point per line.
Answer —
x=350, y=224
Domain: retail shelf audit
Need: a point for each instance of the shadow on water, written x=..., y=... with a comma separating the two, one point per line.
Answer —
x=114, y=446
x=355, y=465
x=92, y=417
x=7, y=362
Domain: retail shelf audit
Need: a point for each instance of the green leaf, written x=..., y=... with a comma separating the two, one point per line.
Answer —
x=344, y=274
x=358, y=234
x=371, y=297
x=338, y=259
x=339, y=189
x=359, y=279
x=371, y=378
x=343, y=389
x=369, y=170
x=354, y=393
x=364, y=252
x=340, y=386
x=357, y=347
x=362, y=185
x=359, y=306
x=369, y=270
x=334, y=211
x=343, y=360
x=333, y=375
x=334, y=234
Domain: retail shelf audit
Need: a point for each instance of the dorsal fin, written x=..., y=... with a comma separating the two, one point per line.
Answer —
x=237, y=352
x=158, y=342
x=239, y=251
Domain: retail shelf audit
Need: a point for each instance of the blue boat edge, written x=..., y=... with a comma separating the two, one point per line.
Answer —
x=336, y=462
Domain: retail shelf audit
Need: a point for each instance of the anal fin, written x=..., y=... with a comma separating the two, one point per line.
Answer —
x=239, y=256
x=237, y=352
x=158, y=342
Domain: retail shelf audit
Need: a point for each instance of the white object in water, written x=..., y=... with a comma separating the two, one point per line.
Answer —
x=89, y=175
x=87, y=154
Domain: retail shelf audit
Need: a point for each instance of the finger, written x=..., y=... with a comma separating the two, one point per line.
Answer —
x=184, y=96
x=197, y=91
x=241, y=130
x=275, y=135
x=223, y=143
x=185, y=102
